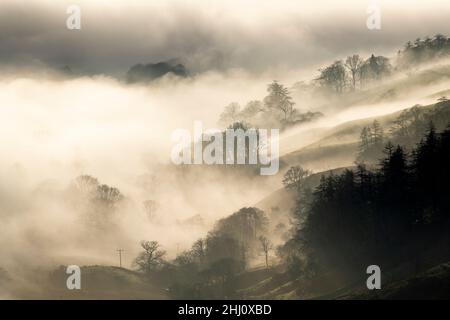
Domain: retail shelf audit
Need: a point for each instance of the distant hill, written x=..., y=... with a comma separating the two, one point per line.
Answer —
x=339, y=146
x=152, y=71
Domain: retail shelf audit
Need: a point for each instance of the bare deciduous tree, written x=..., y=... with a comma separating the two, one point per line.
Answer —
x=354, y=63
x=295, y=177
x=199, y=250
x=151, y=258
x=279, y=100
x=108, y=196
x=266, y=246
x=333, y=77
x=230, y=114
x=86, y=184
x=150, y=207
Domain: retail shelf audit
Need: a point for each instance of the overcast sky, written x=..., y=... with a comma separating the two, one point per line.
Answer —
x=253, y=35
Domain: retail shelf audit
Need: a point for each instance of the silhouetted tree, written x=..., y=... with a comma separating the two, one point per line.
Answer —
x=230, y=114
x=333, y=77
x=108, y=196
x=150, y=207
x=354, y=63
x=266, y=246
x=294, y=178
x=151, y=259
x=279, y=100
x=87, y=185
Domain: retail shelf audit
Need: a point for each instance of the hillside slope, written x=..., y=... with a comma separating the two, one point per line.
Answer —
x=339, y=147
x=433, y=284
x=97, y=282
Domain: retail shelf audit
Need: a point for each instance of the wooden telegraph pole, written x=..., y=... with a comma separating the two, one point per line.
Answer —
x=120, y=256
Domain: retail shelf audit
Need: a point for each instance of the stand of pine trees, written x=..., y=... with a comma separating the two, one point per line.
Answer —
x=399, y=213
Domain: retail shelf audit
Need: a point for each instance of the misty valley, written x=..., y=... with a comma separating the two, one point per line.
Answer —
x=327, y=176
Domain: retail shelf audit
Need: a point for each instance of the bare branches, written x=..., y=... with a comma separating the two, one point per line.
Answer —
x=295, y=177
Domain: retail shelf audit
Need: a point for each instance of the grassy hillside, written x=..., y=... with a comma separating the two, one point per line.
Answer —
x=97, y=282
x=432, y=284
x=339, y=147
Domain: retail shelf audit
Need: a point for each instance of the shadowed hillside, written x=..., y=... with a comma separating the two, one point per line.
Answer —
x=97, y=282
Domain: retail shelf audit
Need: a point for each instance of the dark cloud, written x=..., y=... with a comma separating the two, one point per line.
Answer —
x=201, y=36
